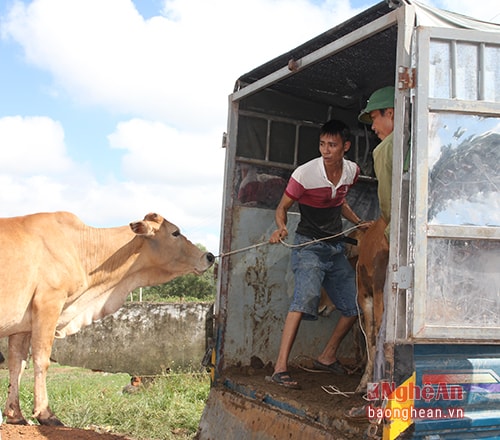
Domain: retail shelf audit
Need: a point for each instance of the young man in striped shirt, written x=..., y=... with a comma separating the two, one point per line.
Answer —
x=319, y=187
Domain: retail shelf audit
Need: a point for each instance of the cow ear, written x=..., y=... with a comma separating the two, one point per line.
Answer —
x=142, y=228
x=153, y=217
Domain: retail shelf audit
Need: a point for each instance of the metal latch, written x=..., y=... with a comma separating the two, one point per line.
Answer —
x=206, y=362
x=406, y=77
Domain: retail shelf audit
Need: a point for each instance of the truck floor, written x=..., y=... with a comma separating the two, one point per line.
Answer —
x=316, y=402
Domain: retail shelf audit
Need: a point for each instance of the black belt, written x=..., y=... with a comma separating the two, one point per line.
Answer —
x=344, y=238
x=350, y=240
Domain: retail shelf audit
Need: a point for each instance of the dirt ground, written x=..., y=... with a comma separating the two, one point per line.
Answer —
x=36, y=432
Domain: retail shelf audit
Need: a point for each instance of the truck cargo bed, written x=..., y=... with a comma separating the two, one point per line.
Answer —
x=318, y=413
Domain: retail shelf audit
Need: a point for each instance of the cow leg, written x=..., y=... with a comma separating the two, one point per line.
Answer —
x=18, y=355
x=370, y=343
x=379, y=276
x=380, y=261
x=41, y=409
x=376, y=311
x=325, y=307
x=359, y=351
x=43, y=337
x=371, y=273
x=365, y=300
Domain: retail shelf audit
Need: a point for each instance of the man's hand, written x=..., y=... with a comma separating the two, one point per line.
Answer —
x=365, y=224
x=278, y=235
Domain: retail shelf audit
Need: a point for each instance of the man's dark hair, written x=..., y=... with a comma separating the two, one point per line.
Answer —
x=335, y=127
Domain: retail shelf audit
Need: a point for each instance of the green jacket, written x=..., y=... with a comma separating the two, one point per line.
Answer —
x=382, y=163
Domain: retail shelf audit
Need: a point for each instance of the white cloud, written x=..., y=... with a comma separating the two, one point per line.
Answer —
x=32, y=145
x=181, y=69
x=159, y=153
x=179, y=173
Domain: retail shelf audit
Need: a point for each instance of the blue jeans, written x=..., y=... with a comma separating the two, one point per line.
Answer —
x=317, y=265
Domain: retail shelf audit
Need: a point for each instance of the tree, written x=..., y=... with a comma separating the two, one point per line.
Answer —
x=191, y=287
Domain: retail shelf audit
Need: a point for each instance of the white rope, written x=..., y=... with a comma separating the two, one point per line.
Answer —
x=334, y=391
x=225, y=254
x=316, y=240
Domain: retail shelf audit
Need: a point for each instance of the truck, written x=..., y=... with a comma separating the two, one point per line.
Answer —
x=441, y=335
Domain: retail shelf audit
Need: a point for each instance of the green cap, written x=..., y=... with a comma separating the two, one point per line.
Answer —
x=379, y=99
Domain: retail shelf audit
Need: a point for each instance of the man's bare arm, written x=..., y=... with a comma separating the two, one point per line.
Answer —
x=281, y=217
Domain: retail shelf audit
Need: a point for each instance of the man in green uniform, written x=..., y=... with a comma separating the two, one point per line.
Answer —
x=379, y=112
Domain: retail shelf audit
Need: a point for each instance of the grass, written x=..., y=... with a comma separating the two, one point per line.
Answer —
x=169, y=407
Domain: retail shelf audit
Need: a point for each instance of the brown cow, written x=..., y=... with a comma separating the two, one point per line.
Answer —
x=59, y=275
x=373, y=256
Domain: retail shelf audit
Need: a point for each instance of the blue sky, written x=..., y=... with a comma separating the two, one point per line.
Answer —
x=115, y=108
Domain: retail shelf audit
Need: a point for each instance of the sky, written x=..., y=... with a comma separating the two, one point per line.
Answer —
x=112, y=109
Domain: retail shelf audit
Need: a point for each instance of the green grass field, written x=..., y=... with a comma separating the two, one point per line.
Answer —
x=169, y=407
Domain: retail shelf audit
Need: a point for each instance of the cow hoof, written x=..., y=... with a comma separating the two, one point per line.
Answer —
x=51, y=421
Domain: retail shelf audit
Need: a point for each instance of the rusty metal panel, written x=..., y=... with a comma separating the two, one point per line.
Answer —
x=260, y=291
x=231, y=416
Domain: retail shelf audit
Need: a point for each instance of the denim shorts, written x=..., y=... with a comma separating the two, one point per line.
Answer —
x=317, y=265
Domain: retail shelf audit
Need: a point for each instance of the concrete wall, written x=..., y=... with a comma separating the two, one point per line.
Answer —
x=139, y=339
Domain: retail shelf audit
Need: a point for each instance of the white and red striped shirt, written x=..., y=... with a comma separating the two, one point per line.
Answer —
x=320, y=201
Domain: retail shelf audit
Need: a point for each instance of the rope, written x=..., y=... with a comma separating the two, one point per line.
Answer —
x=330, y=389
x=236, y=251
x=225, y=254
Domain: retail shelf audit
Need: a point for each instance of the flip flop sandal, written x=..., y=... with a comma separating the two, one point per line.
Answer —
x=335, y=367
x=284, y=379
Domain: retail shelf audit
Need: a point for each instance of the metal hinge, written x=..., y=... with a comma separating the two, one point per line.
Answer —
x=406, y=77
x=224, y=140
x=403, y=277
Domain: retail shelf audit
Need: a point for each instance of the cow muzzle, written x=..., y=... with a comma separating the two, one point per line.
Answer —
x=207, y=260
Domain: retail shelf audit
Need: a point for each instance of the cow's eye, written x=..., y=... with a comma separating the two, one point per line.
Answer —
x=176, y=233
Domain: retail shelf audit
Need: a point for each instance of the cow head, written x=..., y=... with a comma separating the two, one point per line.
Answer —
x=169, y=248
